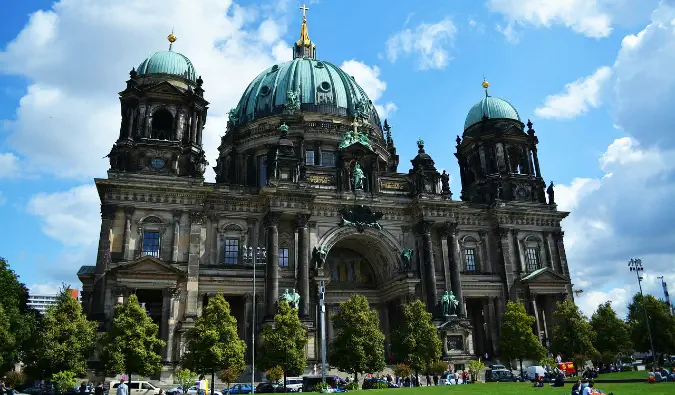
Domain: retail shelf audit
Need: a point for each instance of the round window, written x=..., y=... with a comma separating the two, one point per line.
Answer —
x=325, y=85
x=265, y=90
x=157, y=163
x=275, y=67
x=319, y=65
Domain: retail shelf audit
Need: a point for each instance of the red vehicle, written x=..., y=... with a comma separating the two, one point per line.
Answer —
x=568, y=368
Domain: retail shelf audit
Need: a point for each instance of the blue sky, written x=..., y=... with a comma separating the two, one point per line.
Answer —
x=594, y=76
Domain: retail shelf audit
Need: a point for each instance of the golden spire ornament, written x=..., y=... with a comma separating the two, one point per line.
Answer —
x=485, y=86
x=172, y=39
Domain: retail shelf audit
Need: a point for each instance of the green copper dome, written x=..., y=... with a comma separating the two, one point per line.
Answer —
x=492, y=108
x=168, y=62
x=304, y=84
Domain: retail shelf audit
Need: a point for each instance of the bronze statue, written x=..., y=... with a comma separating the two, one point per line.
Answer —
x=449, y=303
x=406, y=256
x=319, y=256
x=358, y=177
x=551, y=194
x=445, y=183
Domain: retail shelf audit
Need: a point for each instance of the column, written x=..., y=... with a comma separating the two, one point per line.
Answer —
x=451, y=232
x=446, y=266
x=128, y=213
x=499, y=313
x=536, y=161
x=212, y=239
x=167, y=295
x=248, y=324
x=489, y=329
x=108, y=212
x=174, y=300
x=424, y=228
x=271, y=221
x=529, y=161
x=535, y=313
x=485, y=242
x=519, y=255
x=384, y=319
x=492, y=325
x=548, y=315
x=177, y=214
x=251, y=240
x=553, y=250
x=193, y=128
x=200, y=123
x=561, y=253
x=194, y=255
x=130, y=121
x=303, y=262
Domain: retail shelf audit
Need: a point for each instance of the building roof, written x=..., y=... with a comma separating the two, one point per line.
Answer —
x=491, y=108
x=320, y=87
x=168, y=62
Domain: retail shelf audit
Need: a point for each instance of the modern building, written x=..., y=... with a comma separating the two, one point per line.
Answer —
x=42, y=302
x=307, y=170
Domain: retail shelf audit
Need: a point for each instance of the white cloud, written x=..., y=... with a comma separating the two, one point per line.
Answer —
x=45, y=288
x=577, y=97
x=77, y=55
x=509, y=33
x=368, y=77
x=429, y=43
x=71, y=217
x=9, y=165
x=583, y=16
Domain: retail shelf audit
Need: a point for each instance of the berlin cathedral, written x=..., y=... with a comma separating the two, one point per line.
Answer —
x=307, y=193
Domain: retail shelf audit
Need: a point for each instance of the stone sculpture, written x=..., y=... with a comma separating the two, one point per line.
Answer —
x=319, y=256
x=406, y=257
x=449, y=303
x=551, y=194
x=358, y=177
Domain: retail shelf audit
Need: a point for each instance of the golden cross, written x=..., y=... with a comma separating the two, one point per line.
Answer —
x=304, y=11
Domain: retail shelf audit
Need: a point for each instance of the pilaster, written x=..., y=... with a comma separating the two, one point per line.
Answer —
x=271, y=221
x=509, y=258
x=485, y=242
x=303, y=262
x=177, y=215
x=128, y=214
x=424, y=229
x=451, y=232
x=194, y=256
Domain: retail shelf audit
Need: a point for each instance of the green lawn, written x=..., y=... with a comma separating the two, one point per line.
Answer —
x=641, y=374
x=528, y=388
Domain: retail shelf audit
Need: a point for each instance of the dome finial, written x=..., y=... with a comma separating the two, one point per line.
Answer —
x=304, y=47
x=485, y=86
x=171, y=39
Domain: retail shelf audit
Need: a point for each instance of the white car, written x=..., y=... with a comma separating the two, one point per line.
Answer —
x=137, y=387
x=293, y=384
x=194, y=389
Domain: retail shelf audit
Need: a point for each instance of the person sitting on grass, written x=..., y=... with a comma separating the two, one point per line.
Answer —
x=576, y=388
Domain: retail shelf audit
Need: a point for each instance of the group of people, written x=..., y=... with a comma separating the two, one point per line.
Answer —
x=586, y=387
x=5, y=389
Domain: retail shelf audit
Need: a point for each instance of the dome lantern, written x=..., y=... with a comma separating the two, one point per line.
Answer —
x=304, y=48
x=490, y=107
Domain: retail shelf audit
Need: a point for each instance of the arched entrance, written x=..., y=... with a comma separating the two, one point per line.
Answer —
x=367, y=264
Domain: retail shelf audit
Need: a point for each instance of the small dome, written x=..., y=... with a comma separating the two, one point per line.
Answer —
x=492, y=108
x=168, y=62
x=321, y=87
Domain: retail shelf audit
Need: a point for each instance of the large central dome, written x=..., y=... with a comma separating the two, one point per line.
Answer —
x=320, y=87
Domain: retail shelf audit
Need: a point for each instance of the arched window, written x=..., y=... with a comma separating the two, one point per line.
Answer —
x=162, y=124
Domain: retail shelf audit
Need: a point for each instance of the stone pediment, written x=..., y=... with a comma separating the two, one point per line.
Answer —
x=147, y=265
x=165, y=88
x=544, y=275
x=455, y=324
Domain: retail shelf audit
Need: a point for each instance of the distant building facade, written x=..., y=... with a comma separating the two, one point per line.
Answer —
x=42, y=302
x=307, y=170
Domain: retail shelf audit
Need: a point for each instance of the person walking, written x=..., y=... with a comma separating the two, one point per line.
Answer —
x=201, y=390
x=122, y=388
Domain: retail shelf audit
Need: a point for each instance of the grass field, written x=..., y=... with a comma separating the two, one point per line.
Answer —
x=641, y=374
x=529, y=389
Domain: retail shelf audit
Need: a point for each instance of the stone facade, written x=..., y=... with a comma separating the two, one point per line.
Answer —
x=175, y=240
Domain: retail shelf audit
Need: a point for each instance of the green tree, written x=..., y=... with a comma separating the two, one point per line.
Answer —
x=358, y=345
x=64, y=341
x=403, y=370
x=475, y=367
x=573, y=334
x=275, y=374
x=65, y=381
x=612, y=334
x=22, y=320
x=283, y=344
x=131, y=345
x=7, y=341
x=185, y=377
x=517, y=340
x=416, y=340
x=213, y=344
x=661, y=324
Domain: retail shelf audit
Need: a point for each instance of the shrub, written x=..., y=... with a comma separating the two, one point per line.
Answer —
x=12, y=378
x=352, y=386
x=475, y=368
x=380, y=385
x=65, y=381
x=185, y=377
x=275, y=374
x=320, y=387
x=402, y=370
x=438, y=367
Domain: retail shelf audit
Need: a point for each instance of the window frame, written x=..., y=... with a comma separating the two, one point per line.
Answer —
x=155, y=243
x=287, y=257
x=532, y=253
x=333, y=154
x=308, y=154
x=150, y=223
x=470, y=257
x=236, y=251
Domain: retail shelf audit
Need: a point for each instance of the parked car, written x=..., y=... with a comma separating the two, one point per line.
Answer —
x=237, y=389
x=501, y=376
x=535, y=371
x=136, y=387
x=195, y=389
x=293, y=384
x=269, y=388
x=175, y=391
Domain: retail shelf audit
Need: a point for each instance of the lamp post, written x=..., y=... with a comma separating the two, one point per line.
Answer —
x=322, y=317
x=253, y=256
x=635, y=265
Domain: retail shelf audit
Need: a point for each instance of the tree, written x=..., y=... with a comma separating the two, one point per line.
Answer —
x=573, y=335
x=475, y=367
x=416, y=341
x=283, y=344
x=185, y=377
x=358, y=345
x=661, y=323
x=65, y=381
x=403, y=370
x=231, y=374
x=64, y=341
x=213, y=344
x=517, y=340
x=131, y=345
x=7, y=341
x=275, y=374
x=22, y=320
x=612, y=334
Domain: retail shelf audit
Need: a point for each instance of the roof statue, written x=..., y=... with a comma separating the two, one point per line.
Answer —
x=354, y=136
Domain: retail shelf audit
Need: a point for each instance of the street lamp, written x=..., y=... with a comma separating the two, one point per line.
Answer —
x=253, y=256
x=635, y=265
